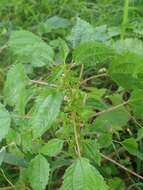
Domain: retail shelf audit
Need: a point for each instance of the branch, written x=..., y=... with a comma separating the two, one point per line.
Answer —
x=93, y=77
x=42, y=83
x=110, y=109
x=121, y=166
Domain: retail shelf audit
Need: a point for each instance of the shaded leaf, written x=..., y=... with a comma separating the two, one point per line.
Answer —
x=132, y=147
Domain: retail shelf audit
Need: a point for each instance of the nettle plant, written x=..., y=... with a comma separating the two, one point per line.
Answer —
x=62, y=103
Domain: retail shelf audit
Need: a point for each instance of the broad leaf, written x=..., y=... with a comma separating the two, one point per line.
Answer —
x=29, y=48
x=52, y=148
x=83, y=176
x=5, y=121
x=45, y=112
x=38, y=173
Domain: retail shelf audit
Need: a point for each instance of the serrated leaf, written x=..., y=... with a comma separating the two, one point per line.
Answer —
x=46, y=112
x=132, y=147
x=81, y=32
x=38, y=173
x=29, y=48
x=127, y=70
x=14, y=88
x=53, y=147
x=91, y=150
x=83, y=176
x=92, y=53
x=5, y=121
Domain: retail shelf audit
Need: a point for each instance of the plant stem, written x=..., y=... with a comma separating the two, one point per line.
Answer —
x=121, y=166
x=76, y=138
x=125, y=18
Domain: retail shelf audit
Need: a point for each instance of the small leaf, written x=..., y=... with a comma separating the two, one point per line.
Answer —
x=91, y=150
x=111, y=121
x=116, y=184
x=92, y=53
x=54, y=23
x=2, y=154
x=127, y=70
x=83, y=176
x=81, y=32
x=29, y=48
x=132, y=147
x=14, y=89
x=140, y=134
x=52, y=148
x=129, y=45
x=136, y=103
x=5, y=121
x=38, y=173
x=46, y=112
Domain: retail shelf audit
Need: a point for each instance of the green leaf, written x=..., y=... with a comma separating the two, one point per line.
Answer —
x=132, y=147
x=116, y=184
x=54, y=23
x=104, y=139
x=81, y=32
x=83, y=176
x=140, y=134
x=111, y=121
x=45, y=113
x=29, y=48
x=92, y=53
x=136, y=103
x=12, y=159
x=53, y=147
x=38, y=173
x=129, y=45
x=2, y=154
x=14, y=88
x=127, y=70
x=91, y=150
x=5, y=121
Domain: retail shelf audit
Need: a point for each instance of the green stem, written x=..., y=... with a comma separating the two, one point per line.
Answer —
x=125, y=18
x=76, y=138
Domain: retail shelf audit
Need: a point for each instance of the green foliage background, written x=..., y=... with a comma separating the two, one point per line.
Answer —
x=71, y=94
